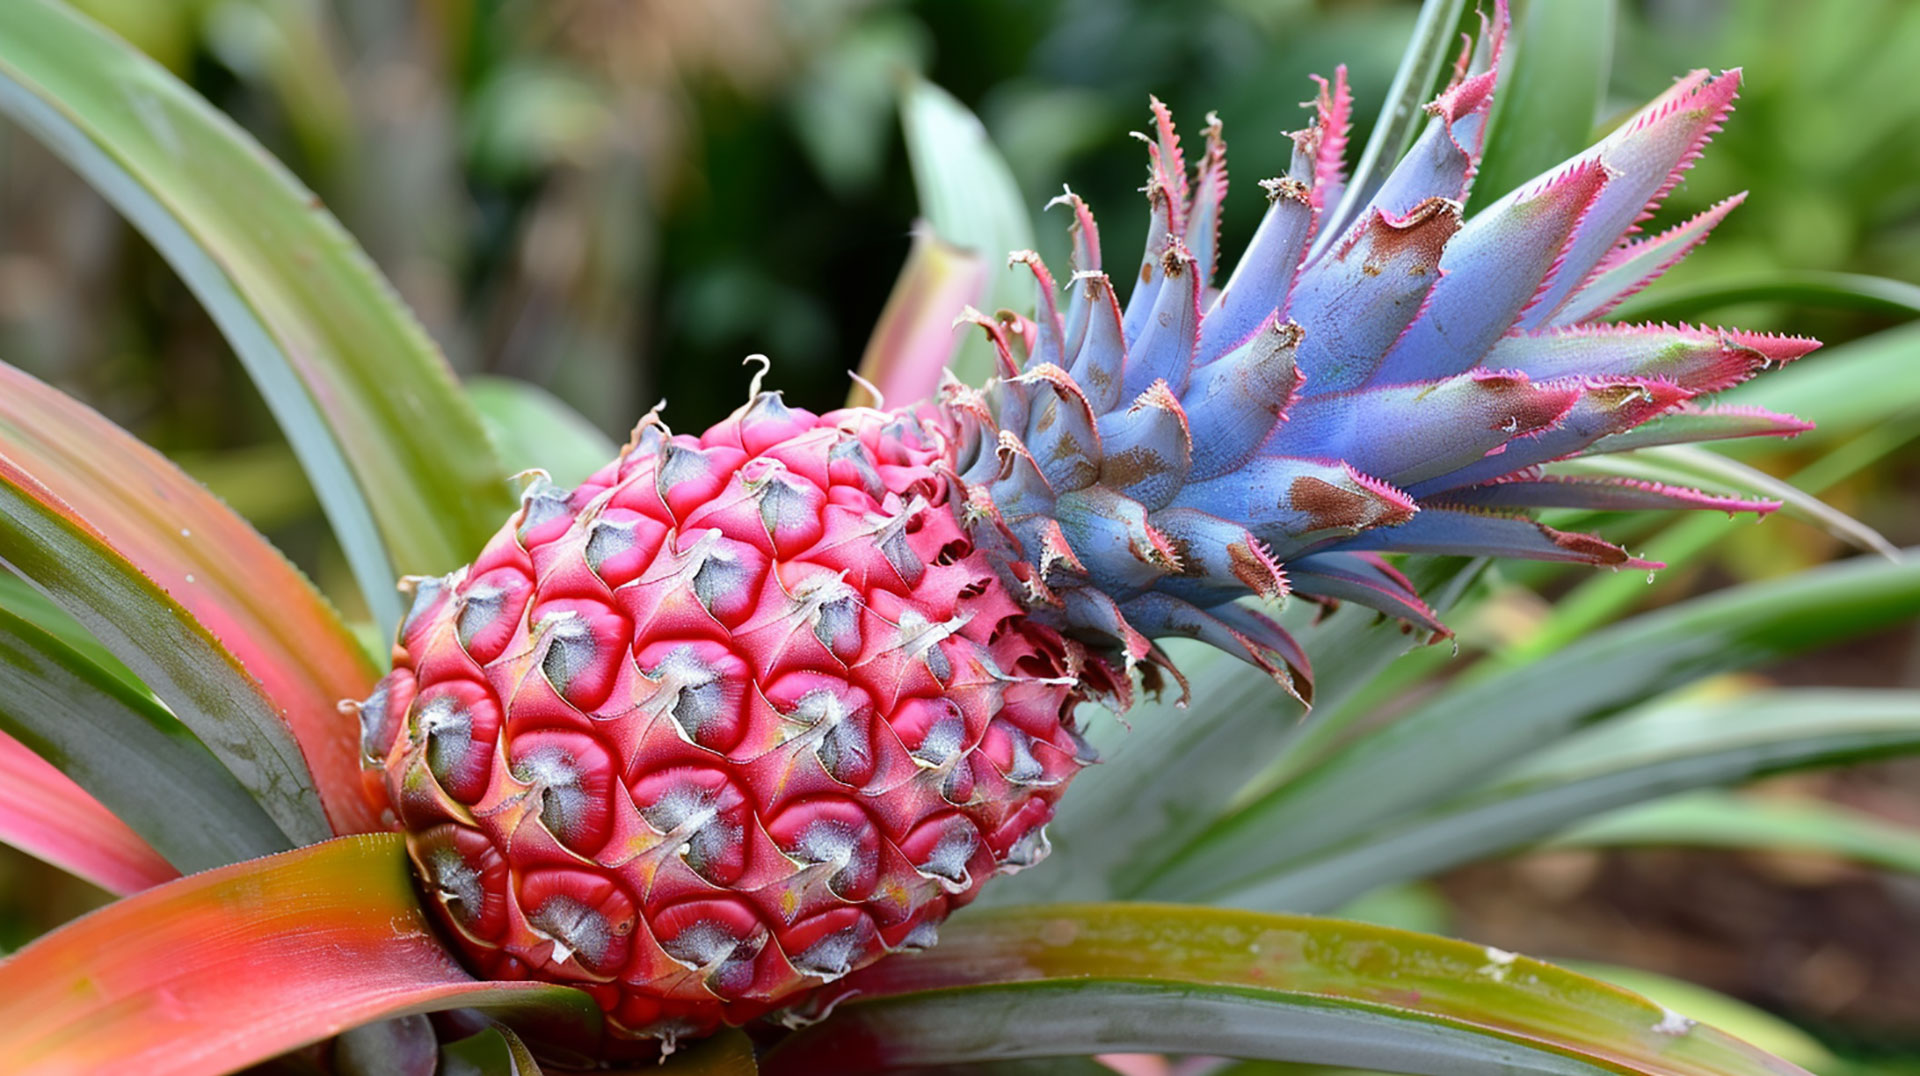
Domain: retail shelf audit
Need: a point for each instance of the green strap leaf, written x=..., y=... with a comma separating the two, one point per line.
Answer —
x=127, y=752
x=1077, y=979
x=399, y=460
x=44, y=814
x=1841, y=291
x=969, y=196
x=1664, y=749
x=1727, y=820
x=18, y=597
x=532, y=428
x=1557, y=63
x=494, y=1051
x=1500, y=715
x=173, y=654
x=220, y=570
x=1169, y=772
x=226, y=969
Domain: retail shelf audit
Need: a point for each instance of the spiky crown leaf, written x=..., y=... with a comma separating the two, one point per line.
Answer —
x=1376, y=376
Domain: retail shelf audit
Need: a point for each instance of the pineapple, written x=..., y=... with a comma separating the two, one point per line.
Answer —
x=748, y=710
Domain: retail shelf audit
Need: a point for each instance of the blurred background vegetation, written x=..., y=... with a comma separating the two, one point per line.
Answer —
x=618, y=199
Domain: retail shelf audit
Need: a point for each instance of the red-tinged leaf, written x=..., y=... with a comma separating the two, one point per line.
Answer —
x=259, y=606
x=109, y=736
x=398, y=458
x=47, y=816
x=1067, y=979
x=222, y=970
x=915, y=338
x=44, y=540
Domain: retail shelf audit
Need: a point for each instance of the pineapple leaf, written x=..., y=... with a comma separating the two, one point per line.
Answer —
x=44, y=814
x=1429, y=51
x=1866, y=383
x=126, y=751
x=914, y=338
x=968, y=194
x=494, y=1051
x=18, y=597
x=176, y=655
x=532, y=428
x=1860, y=390
x=1662, y=749
x=1726, y=820
x=219, y=569
x=1808, y=288
x=396, y=454
x=1693, y=466
x=1557, y=71
x=1077, y=979
x=1495, y=714
x=225, y=969
x=1170, y=772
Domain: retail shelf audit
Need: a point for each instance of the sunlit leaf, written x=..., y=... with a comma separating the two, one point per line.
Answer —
x=222, y=572
x=1557, y=63
x=1631, y=759
x=173, y=654
x=221, y=970
x=1077, y=979
x=397, y=456
x=915, y=338
x=18, y=597
x=968, y=195
x=44, y=814
x=1755, y=1026
x=1498, y=714
x=531, y=428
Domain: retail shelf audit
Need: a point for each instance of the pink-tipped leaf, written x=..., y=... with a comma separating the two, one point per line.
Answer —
x=222, y=970
x=45, y=540
x=44, y=814
x=220, y=570
x=915, y=338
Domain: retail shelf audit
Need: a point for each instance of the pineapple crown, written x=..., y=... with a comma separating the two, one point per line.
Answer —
x=1378, y=375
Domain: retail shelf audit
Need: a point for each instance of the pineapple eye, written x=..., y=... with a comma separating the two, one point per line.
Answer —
x=448, y=727
x=703, y=800
x=572, y=774
x=587, y=919
x=541, y=505
x=570, y=648
x=606, y=538
x=720, y=937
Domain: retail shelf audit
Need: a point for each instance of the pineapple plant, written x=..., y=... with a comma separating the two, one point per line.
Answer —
x=696, y=741
x=745, y=711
